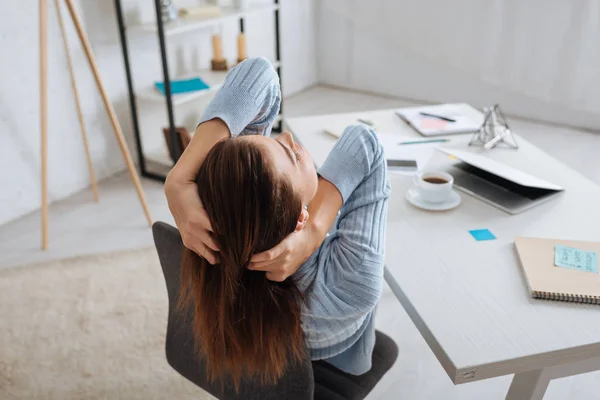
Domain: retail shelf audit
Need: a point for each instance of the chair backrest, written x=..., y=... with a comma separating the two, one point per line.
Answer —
x=297, y=384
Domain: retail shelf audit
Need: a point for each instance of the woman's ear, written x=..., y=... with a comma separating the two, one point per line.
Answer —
x=302, y=219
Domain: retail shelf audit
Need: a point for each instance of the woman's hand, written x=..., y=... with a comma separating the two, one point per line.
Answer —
x=191, y=219
x=182, y=192
x=283, y=260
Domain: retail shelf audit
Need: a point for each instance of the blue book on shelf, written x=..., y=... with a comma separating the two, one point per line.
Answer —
x=183, y=85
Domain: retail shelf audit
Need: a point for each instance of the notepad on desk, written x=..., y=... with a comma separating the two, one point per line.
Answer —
x=337, y=129
x=562, y=270
x=395, y=147
x=404, y=153
x=179, y=86
x=442, y=119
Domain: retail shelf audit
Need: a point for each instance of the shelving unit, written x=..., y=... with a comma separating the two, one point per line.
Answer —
x=213, y=78
x=187, y=25
x=163, y=157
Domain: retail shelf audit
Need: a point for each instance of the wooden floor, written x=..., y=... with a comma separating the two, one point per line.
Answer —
x=80, y=226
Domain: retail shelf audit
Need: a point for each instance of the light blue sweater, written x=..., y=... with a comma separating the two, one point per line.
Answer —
x=342, y=280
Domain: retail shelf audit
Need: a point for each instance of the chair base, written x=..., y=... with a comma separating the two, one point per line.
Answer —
x=333, y=384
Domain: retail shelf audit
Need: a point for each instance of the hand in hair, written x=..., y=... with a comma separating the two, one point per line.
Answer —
x=182, y=192
x=192, y=220
x=283, y=260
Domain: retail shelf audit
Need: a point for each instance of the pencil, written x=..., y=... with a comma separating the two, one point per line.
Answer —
x=424, y=141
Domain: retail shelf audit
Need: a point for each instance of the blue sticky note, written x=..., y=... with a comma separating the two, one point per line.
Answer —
x=482, y=234
x=183, y=85
x=572, y=258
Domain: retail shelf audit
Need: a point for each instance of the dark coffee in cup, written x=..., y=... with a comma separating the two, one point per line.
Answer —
x=434, y=187
x=436, y=180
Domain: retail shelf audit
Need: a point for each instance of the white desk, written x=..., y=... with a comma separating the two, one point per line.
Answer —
x=469, y=299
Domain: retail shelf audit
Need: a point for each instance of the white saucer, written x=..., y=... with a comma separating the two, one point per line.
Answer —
x=415, y=199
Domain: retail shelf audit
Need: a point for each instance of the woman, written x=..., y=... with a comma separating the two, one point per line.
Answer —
x=247, y=204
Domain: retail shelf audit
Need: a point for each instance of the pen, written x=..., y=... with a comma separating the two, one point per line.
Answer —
x=424, y=141
x=437, y=116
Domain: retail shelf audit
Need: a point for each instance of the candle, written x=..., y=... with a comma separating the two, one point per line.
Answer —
x=217, y=46
x=241, y=47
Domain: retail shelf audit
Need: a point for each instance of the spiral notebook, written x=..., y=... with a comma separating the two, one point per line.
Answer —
x=551, y=275
x=442, y=119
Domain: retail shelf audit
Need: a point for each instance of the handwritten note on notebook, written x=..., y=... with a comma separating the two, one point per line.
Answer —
x=572, y=258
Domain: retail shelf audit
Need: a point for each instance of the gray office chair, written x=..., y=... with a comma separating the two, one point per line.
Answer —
x=306, y=381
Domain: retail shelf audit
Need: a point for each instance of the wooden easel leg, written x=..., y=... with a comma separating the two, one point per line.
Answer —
x=77, y=103
x=43, y=117
x=109, y=109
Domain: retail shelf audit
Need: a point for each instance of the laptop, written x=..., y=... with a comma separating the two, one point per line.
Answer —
x=500, y=185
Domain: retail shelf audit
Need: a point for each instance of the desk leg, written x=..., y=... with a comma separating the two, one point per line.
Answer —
x=530, y=385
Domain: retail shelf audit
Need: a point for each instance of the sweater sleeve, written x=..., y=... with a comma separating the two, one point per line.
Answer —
x=249, y=99
x=350, y=271
x=352, y=159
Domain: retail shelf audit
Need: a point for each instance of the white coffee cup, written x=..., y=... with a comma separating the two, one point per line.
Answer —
x=434, y=187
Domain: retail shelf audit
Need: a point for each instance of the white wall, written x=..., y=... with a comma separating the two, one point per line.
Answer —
x=19, y=89
x=538, y=59
x=298, y=48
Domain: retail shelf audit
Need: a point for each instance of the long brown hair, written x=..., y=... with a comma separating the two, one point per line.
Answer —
x=245, y=326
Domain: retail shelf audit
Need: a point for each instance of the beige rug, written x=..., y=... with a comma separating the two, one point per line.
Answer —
x=87, y=328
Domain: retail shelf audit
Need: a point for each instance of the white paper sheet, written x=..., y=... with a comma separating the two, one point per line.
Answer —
x=421, y=152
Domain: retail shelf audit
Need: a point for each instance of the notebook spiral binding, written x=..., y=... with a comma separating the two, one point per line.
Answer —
x=567, y=297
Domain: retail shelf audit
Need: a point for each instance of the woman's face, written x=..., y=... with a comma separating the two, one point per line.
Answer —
x=291, y=159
